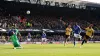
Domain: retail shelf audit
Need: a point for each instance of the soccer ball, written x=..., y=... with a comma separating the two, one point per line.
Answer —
x=28, y=12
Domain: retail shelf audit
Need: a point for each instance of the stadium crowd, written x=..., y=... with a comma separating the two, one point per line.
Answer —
x=40, y=22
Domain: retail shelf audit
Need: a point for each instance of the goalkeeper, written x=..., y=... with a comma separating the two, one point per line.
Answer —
x=14, y=38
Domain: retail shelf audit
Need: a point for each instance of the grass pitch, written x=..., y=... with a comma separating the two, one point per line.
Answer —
x=51, y=50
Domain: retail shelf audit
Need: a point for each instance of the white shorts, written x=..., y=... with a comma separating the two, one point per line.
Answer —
x=44, y=39
x=77, y=35
x=29, y=39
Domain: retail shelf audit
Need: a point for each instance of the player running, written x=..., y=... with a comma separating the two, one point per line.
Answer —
x=67, y=33
x=44, y=39
x=76, y=31
x=29, y=37
x=89, y=34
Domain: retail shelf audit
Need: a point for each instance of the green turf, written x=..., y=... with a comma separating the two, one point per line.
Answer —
x=51, y=50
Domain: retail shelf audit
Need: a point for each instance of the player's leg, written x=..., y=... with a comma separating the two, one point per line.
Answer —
x=15, y=41
x=66, y=40
x=85, y=38
x=80, y=37
x=41, y=41
x=17, y=45
x=83, y=41
x=74, y=41
x=75, y=35
x=45, y=41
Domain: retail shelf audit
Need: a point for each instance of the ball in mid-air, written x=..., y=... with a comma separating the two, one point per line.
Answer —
x=28, y=12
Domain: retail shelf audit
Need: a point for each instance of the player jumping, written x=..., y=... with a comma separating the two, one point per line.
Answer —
x=89, y=34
